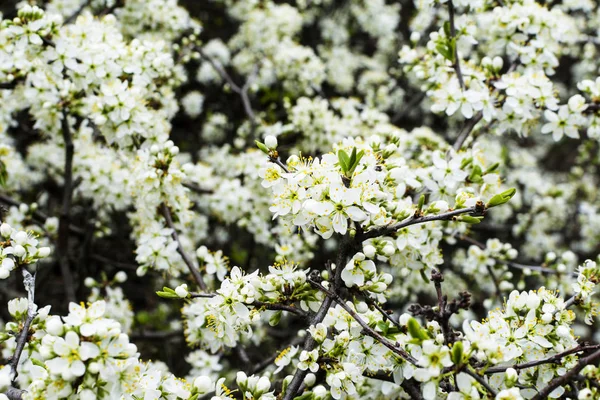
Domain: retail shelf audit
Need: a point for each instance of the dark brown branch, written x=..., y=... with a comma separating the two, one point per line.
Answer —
x=481, y=380
x=414, y=220
x=366, y=328
x=466, y=130
x=276, y=160
x=550, y=360
x=64, y=220
x=196, y=189
x=186, y=259
x=456, y=64
x=310, y=343
x=567, y=377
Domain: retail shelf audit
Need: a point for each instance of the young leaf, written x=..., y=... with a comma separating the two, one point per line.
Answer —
x=344, y=160
x=457, y=353
x=262, y=147
x=501, y=198
x=470, y=220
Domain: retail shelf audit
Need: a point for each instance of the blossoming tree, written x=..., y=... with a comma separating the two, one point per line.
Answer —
x=304, y=200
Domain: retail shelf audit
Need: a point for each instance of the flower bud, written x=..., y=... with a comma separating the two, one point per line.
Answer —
x=5, y=230
x=369, y=251
x=19, y=251
x=263, y=384
x=271, y=142
x=43, y=252
x=21, y=238
x=89, y=282
x=121, y=276
x=497, y=63
x=511, y=376
x=54, y=326
x=203, y=384
x=310, y=379
x=182, y=291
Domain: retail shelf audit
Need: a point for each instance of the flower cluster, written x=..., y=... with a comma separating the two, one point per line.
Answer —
x=18, y=248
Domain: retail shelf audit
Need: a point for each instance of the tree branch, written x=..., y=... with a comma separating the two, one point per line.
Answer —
x=466, y=130
x=186, y=259
x=63, y=225
x=481, y=380
x=552, y=359
x=413, y=220
x=456, y=64
x=566, y=378
x=366, y=328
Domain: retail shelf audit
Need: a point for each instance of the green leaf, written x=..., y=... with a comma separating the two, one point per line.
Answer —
x=447, y=28
x=501, y=198
x=37, y=362
x=352, y=158
x=383, y=327
x=452, y=49
x=344, y=160
x=475, y=176
x=443, y=49
x=470, y=220
x=424, y=276
x=3, y=174
x=457, y=353
x=262, y=147
x=421, y=203
x=491, y=169
x=415, y=330
x=167, y=295
x=275, y=318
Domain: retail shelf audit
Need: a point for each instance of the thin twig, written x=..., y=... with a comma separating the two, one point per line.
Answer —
x=196, y=189
x=366, y=328
x=481, y=380
x=466, y=130
x=29, y=282
x=63, y=224
x=456, y=64
x=186, y=259
x=73, y=16
x=276, y=160
x=241, y=91
x=310, y=343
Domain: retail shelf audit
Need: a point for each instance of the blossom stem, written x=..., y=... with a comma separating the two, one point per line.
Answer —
x=276, y=160
x=186, y=258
